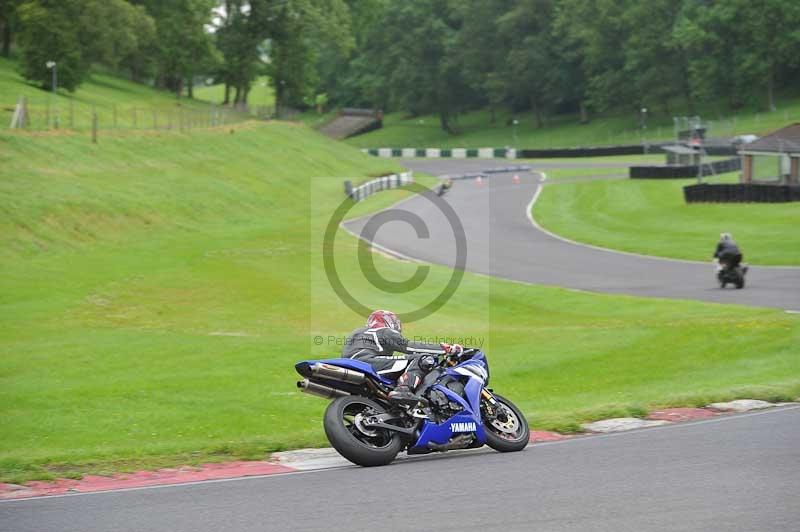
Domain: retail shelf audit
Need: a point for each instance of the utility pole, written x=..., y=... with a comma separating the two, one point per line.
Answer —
x=515, y=132
x=54, y=85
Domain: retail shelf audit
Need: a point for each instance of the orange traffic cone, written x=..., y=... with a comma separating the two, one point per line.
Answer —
x=516, y=178
x=479, y=181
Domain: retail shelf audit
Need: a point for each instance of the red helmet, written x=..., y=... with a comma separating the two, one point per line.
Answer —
x=384, y=318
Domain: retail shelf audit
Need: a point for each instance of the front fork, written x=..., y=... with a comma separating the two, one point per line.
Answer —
x=489, y=404
x=491, y=407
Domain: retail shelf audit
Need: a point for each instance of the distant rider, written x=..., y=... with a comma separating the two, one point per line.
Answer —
x=382, y=345
x=446, y=185
x=727, y=254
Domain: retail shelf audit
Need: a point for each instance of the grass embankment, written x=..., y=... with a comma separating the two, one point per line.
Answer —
x=261, y=93
x=651, y=217
x=108, y=95
x=157, y=290
x=477, y=131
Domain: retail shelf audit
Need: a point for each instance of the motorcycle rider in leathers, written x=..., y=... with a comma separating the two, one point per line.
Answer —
x=382, y=345
x=727, y=253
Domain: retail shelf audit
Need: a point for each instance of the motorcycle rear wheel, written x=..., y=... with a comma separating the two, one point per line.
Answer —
x=509, y=434
x=346, y=432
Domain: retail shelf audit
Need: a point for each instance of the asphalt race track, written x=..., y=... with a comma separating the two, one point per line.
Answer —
x=503, y=242
x=735, y=473
x=732, y=473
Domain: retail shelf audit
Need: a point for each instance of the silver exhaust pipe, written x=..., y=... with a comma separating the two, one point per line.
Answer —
x=320, y=390
x=336, y=373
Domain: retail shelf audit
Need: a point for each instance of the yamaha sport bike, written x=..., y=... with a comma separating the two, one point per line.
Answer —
x=456, y=410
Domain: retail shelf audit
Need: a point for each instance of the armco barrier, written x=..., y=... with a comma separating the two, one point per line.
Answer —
x=679, y=172
x=741, y=193
x=488, y=172
x=378, y=184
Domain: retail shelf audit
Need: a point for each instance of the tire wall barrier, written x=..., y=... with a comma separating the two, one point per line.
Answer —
x=630, y=149
x=741, y=193
x=376, y=185
x=679, y=172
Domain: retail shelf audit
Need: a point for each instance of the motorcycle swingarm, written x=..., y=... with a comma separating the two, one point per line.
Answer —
x=380, y=422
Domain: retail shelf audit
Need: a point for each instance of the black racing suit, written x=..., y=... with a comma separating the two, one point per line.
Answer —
x=728, y=254
x=389, y=352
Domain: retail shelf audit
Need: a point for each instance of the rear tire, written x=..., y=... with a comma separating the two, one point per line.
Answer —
x=368, y=448
x=510, y=435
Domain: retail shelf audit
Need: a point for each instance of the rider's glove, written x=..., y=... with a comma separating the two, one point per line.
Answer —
x=454, y=349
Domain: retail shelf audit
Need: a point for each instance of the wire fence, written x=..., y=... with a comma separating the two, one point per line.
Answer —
x=44, y=115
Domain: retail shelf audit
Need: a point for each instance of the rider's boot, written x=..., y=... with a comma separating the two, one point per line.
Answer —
x=404, y=392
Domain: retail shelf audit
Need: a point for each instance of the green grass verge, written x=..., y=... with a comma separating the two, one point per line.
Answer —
x=261, y=93
x=477, y=131
x=157, y=290
x=651, y=217
x=106, y=94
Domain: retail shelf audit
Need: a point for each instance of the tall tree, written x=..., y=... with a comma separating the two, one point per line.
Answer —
x=417, y=53
x=8, y=23
x=531, y=71
x=655, y=64
x=484, y=49
x=302, y=29
x=184, y=46
x=49, y=33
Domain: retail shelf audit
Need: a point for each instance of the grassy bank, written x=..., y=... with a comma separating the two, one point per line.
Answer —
x=261, y=93
x=651, y=217
x=131, y=104
x=477, y=131
x=158, y=288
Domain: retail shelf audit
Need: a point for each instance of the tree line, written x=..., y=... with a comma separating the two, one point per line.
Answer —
x=441, y=57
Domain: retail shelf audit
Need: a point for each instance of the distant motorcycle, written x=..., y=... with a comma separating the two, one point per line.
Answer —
x=733, y=275
x=457, y=410
x=444, y=187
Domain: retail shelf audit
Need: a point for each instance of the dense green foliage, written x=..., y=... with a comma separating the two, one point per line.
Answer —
x=554, y=56
x=441, y=57
x=76, y=33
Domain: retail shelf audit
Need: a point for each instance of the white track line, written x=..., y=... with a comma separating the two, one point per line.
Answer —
x=529, y=213
x=434, y=456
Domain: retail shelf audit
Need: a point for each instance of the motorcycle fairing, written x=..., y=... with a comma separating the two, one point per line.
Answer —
x=469, y=417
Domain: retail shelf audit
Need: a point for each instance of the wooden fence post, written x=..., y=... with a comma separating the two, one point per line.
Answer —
x=94, y=126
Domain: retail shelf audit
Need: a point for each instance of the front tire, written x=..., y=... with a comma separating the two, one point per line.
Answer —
x=352, y=440
x=509, y=432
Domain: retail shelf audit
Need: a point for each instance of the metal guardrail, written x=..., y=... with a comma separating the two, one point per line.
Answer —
x=378, y=184
x=486, y=173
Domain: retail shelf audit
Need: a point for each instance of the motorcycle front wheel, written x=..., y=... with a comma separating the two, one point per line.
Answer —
x=508, y=431
x=344, y=426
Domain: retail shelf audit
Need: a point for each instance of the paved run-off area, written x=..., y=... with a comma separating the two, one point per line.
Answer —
x=733, y=473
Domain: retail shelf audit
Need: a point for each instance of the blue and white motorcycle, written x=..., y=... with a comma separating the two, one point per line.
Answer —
x=457, y=410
